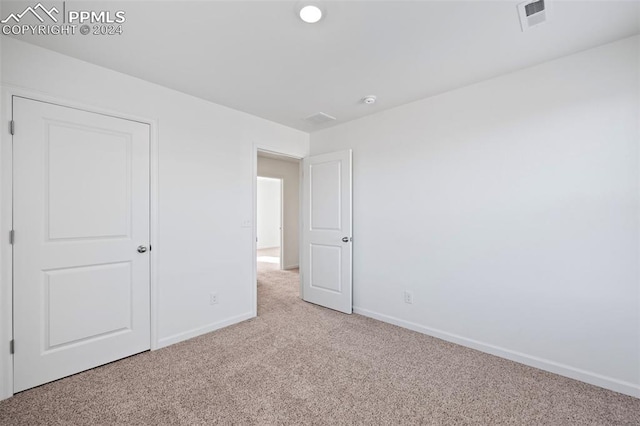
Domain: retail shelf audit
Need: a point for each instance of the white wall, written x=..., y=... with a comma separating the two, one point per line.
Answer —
x=289, y=172
x=510, y=209
x=206, y=155
x=269, y=205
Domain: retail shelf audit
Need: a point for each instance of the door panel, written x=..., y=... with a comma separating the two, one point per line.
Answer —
x=327, y=252
x=89, y=197
x=325, y=263
x=81, y=209
x=99, y=292
x=324, y=196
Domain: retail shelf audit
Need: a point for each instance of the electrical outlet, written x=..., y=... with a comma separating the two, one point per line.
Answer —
x=213, y=298
x=408, y=297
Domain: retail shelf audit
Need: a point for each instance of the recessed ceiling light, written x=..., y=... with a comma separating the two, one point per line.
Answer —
x=369, y=100
x=310, y=14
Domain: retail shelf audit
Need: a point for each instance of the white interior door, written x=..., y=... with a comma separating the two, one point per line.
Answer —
x=327, y=247
x=81, y=222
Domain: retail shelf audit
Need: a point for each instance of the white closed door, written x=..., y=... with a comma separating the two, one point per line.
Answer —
x=81, y=222
x=327, y=240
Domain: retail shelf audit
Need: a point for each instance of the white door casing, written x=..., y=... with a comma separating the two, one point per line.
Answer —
x=327, y=231
x=81, y=210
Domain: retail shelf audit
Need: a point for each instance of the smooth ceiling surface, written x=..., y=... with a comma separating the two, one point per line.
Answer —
x=259, y=57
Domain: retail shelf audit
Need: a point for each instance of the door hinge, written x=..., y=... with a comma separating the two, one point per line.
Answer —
x=12, y=127
x=12, y=236
x=12, y=347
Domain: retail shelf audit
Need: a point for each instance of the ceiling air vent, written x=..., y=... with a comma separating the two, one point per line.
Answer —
x=319, y=118
x=532, y=13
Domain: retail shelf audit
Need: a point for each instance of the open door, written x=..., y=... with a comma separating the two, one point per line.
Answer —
x=326, y=235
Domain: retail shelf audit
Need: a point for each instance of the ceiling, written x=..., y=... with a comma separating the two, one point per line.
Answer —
x=259, y=57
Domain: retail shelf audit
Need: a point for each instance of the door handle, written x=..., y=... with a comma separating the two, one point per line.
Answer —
x=142, y=249
x=345, y=239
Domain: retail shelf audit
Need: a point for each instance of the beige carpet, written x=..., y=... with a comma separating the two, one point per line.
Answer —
x=298, y=363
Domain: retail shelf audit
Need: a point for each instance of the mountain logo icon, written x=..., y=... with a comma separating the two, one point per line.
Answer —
x=38, y=11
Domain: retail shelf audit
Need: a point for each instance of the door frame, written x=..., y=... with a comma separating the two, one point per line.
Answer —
x=257, y=146
x=7, y=92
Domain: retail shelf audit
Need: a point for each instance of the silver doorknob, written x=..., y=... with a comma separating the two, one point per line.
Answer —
x=142, y=249
x=345, y=239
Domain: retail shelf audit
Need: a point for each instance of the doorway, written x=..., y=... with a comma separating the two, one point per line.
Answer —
x=278, y=176
x=269, y=222
x=320, y=241
x=276, y=199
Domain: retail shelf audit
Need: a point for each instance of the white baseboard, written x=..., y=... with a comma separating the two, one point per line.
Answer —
x=610, y=383
x=176, y=338
x=296, y=266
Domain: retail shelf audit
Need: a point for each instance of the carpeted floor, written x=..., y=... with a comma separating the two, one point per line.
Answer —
x=269, y=259
x=298, y=363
